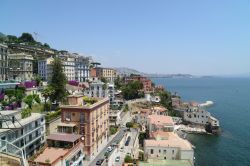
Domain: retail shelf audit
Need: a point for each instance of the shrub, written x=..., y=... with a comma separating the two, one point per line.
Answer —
x=26, y=113
x=52, y=115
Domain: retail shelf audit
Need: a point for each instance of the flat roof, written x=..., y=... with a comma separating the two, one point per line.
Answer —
x=160, y=119
x=165, y=163
x=51, y=154
x=64, y=137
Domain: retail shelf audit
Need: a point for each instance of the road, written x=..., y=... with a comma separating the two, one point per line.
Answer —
x=118, y=137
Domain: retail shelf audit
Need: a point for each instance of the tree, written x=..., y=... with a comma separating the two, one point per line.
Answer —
x=46, y=45
x=128, y=159
x=30, y=99
x=129, y=125
x=47, y=92
x=58, y=81
x=132, y=90
x=27, y=38
x=166, y=100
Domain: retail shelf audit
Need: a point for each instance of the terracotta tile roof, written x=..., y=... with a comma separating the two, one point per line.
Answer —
x=64, y=137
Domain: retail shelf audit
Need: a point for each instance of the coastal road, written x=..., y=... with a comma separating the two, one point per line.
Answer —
x=118, y=137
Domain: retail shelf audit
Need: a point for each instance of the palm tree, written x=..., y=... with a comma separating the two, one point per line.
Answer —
x=47, y=92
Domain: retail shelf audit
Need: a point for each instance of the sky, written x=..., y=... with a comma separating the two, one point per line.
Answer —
x=154, y=36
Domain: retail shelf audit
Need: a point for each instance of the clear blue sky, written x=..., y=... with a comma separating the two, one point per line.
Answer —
x=157, y=36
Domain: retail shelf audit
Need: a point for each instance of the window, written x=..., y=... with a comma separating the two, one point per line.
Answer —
x=172, y=151
x=165, y=158
x=165, y=151
x=152, y=151
x=159, y=150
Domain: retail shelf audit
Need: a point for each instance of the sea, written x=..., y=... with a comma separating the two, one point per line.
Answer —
x=231, y=97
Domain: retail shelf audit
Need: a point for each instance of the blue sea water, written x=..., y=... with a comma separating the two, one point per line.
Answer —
x=232, y=108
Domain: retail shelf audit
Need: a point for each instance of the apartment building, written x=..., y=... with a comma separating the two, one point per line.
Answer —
x=27, y=134
x=82, y=67
x=96, y=88
x=20, y=66
x=92, y=119
x=108, y=73
x=75, y=67
x=45, y=68
x=62, y=150
x=3, y=62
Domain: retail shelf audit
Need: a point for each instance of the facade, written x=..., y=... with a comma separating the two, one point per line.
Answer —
x=111, y=92
x=62, y=150
x=3, y=62
x=68, y=62
x=96, y=88
x=108, y=73
x=147, y=83
x=45, y=68
x=92, y=121
x=75, y=67
x=20, y=66
x=29, y=135
x=82, y=68
x=167, y=146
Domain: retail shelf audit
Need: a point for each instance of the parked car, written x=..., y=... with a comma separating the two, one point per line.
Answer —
x=117, y=159
x=99, y=162
x=109, y=149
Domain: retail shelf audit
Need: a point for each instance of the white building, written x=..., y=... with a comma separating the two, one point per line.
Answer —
x=82, y=67
x=167, y=146
x=75, y=67
x=29, y=134
x=3, y=62
x=45, y=68
x=196, y=115
x=96, y=88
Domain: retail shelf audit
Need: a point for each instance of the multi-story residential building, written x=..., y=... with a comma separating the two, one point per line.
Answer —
x=82, y=68
x=147, y=83
x=45, y=68
x=75, y=67
x=3, y=62
x=20, y=66
x=91, y=118
x=37, y=52
x=108, y=73
x=68, y=62
x=62, y=150
x=167, y=146
x=96, y=88
x=160, y=122
x=26, y=134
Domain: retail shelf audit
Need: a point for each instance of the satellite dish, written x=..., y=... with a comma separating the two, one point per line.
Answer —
x=82, y=138
x=67, y=119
